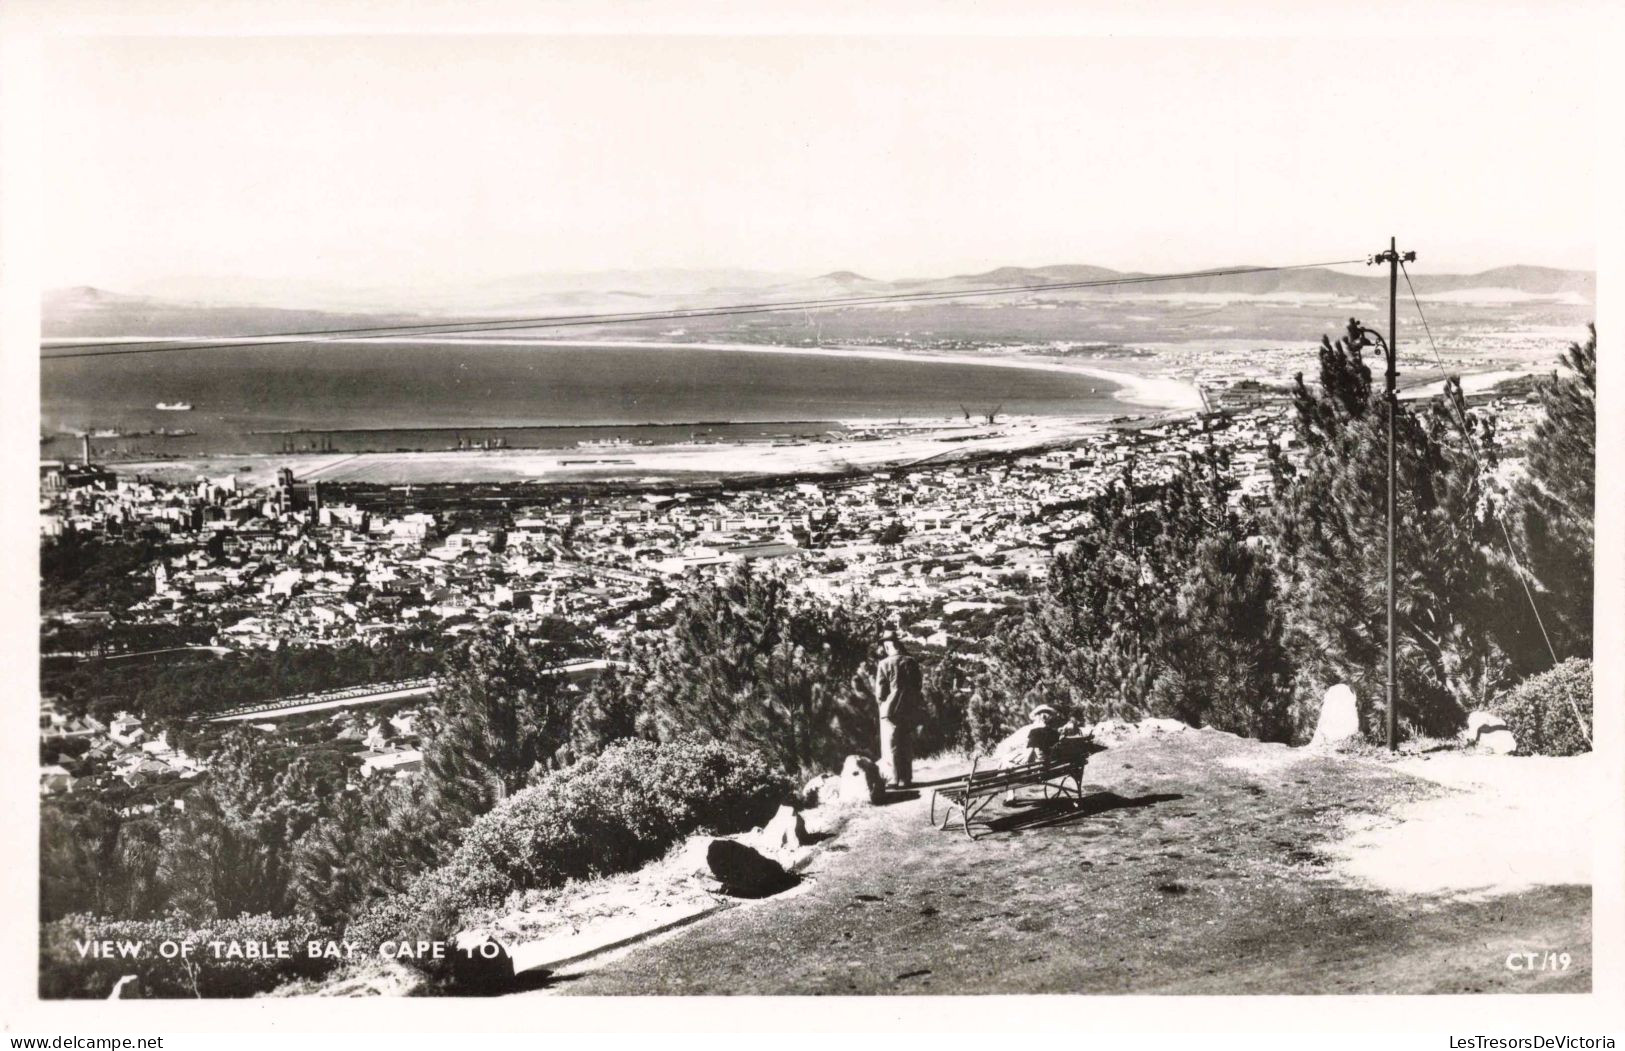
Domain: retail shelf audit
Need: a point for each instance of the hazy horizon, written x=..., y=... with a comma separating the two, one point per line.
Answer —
x=413, y=162
x=764, y=276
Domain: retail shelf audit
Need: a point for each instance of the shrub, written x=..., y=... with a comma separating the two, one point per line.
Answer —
x=1540, y=711
x=608, y=813
x=66, y=973
x=428, y=910
x=991, y=714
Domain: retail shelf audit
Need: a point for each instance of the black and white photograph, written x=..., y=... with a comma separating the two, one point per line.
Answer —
x=604, y=506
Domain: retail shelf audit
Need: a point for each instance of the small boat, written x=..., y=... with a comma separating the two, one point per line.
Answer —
x=174, y=406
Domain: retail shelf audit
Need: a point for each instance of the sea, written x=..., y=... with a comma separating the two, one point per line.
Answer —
x=405, y=396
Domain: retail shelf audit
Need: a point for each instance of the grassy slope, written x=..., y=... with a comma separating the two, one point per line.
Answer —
x=1184, y=874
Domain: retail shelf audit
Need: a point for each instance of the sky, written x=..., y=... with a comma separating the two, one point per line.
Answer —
x=415, y=160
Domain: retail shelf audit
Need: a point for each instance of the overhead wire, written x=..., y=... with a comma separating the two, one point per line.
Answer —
x=109, y=348
x=1506, y=535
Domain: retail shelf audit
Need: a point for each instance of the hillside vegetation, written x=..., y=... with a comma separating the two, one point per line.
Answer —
x=1174, y=601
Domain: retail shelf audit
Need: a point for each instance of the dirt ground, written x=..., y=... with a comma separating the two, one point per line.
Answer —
x=1199, y=863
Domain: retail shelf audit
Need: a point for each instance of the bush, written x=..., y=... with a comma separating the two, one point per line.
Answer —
x=428, y=910
x=66, y=973
x=1540, y=711
x=608, y=813
x=992, y=714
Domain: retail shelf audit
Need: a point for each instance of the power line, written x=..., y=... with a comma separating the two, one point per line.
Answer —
x=1472, y=449
x=112, y=348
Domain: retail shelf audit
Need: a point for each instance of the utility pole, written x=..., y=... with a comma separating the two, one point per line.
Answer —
x=1393, y=258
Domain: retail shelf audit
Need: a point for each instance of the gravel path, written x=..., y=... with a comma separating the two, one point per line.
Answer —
x=1200, y=864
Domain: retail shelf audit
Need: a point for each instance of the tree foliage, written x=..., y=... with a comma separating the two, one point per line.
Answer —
x=1225, y=663
x=605, y=814
x=371, y=845
x=79, y=572
x=231, y=850
x=1327, y=531
x=1160, y=607
x=751, y=662
x=1554, y=500
x=172, y=691
x=94, y=860
x=503, y=716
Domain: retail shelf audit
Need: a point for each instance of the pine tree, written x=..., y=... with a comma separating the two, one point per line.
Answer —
x=608, y=713
x=503, y=715
x=230, y=850
x=1227, y=666
x=1080, y=643
x=749, y=662
x=1327, y=532
x=1158, y=608
x=373, y=843
x=1554, y=503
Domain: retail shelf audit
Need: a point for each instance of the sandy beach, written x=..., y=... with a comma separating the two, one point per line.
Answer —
x=676, y=463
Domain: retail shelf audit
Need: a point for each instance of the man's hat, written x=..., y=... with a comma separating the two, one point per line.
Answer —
x=1041, y=711
x=890, y=635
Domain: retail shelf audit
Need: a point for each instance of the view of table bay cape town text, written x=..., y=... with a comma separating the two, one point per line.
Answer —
x=823, y=635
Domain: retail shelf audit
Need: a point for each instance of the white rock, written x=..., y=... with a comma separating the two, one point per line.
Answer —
x=1480, y=723
x=787, y=831
x=825, y=788
x=1500, y=742
x=690, y=860
x=1162, y=726
x=1339, y=717
x=861, y=782
x=1114, y=730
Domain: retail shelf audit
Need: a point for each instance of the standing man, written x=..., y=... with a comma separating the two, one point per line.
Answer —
x=897, y=688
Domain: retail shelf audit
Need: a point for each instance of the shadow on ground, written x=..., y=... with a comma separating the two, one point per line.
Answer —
x=1050, y=813
x=1196, y=864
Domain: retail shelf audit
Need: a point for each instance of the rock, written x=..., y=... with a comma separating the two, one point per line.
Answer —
x=480, y=962
x=787, y=831
x=1162, y=726
x=1480, y=723
x=825, y=788
x=1500, y=741
x=1114, y=730
x=1339, y=717
x=861, y=781
x=690, y=859
x=744, y=871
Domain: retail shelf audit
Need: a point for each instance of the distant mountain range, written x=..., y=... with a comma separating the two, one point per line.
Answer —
x=219, y=306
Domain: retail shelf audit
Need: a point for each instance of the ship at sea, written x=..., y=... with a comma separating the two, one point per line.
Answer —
x=174, y=406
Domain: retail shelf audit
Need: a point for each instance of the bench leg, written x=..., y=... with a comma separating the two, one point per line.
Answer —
x=972, y=809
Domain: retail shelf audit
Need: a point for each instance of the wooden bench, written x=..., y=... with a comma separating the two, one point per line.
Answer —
x=983, y=785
